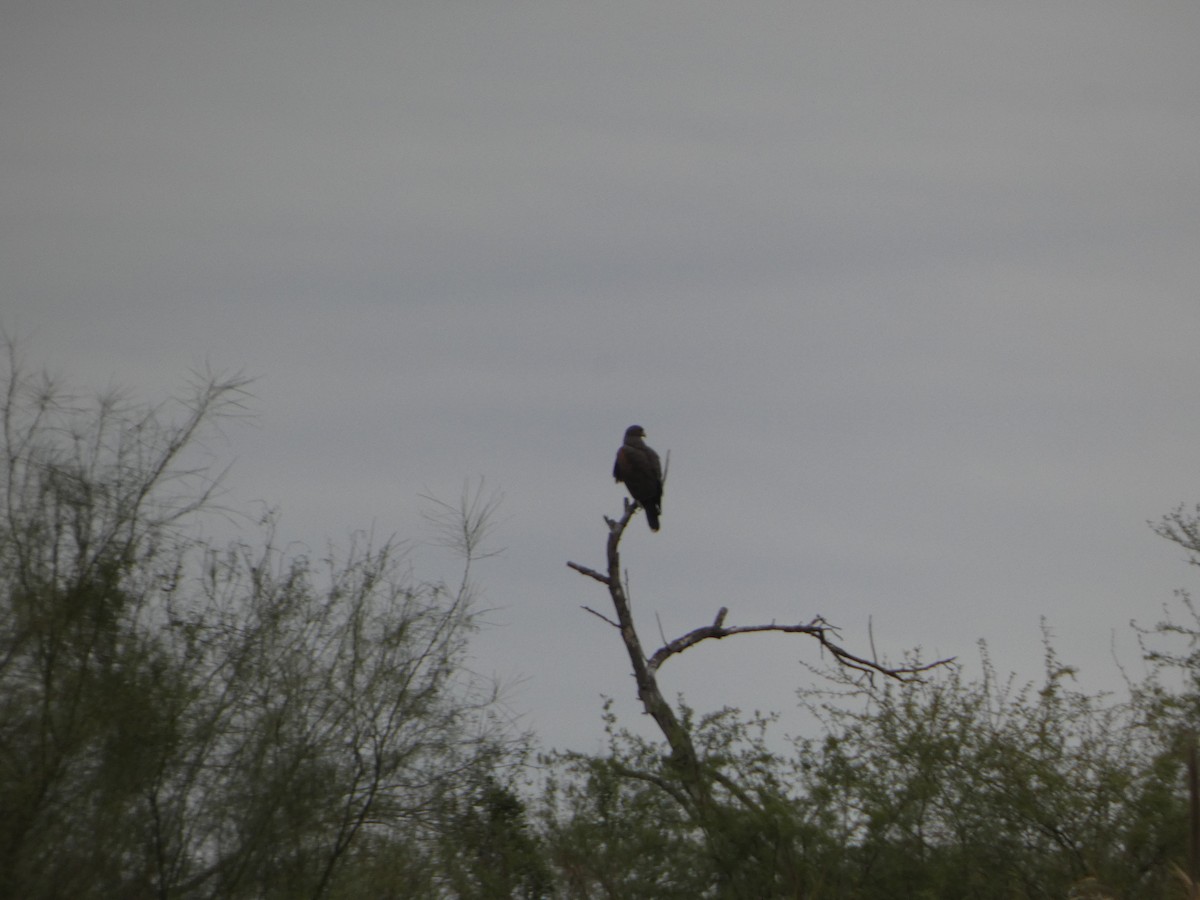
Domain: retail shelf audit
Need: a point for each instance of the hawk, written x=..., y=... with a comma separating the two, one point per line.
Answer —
x=639, y=467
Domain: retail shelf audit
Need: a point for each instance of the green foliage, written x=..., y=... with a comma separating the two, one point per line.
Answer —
x=182, y=720
x=940, y=788
x=950, y=788
x=616, y=827
x=624, y=824
x=490, y=849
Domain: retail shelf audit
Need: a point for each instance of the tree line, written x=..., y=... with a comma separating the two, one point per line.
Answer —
x=186, y=719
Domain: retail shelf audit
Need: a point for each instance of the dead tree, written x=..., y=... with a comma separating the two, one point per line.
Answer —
x=693, y=782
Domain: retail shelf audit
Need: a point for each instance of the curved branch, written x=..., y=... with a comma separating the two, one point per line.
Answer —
x=818, y=628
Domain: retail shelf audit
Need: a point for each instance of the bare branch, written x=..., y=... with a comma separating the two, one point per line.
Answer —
x=590, y=573
x=818, y=628
x=697, y=776
x=602, y=616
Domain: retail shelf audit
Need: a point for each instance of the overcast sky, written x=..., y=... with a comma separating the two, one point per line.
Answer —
x=911, y=292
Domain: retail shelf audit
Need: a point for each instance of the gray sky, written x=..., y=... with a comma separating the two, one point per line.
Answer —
x=909, y=291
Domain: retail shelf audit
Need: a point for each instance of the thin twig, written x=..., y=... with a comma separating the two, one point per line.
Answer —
x=590, y=573
x=602, y=616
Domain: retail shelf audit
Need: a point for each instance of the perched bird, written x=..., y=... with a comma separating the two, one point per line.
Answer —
x=639, y=467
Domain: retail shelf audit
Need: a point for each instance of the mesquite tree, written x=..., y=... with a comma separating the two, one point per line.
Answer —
x=182, y=719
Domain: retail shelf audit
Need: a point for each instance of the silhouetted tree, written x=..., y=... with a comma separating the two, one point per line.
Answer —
x=184, y=720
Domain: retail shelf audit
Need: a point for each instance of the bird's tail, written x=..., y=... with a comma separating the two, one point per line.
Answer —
x=652, y=518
